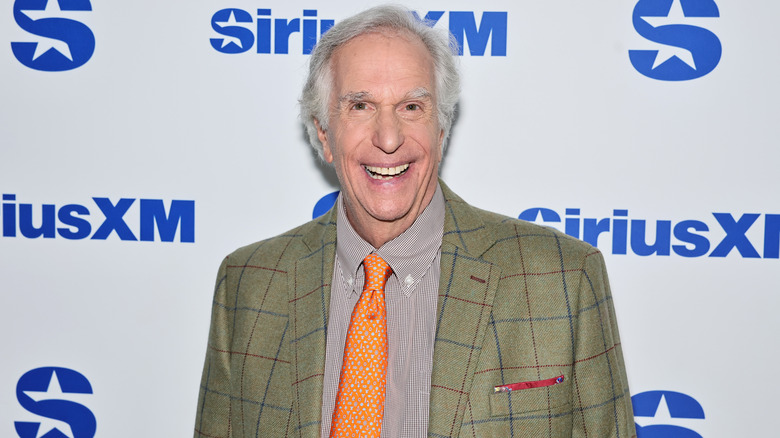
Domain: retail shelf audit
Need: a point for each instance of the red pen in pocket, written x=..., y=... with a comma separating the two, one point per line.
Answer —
x=528, y=385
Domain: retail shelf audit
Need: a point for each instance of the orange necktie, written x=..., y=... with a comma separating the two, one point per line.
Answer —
x=360, y=401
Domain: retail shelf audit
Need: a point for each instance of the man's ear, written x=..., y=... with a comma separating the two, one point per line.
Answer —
x=441, y=144
x=323, y=136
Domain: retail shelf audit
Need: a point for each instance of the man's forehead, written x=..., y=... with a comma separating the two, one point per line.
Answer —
x=382, y=59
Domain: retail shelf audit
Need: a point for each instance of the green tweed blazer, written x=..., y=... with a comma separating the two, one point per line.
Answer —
x=517, y=303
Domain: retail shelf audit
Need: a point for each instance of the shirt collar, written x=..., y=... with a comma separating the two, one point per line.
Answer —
x=409, y=255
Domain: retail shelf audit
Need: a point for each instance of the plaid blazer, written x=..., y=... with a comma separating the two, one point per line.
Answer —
x=517, y=303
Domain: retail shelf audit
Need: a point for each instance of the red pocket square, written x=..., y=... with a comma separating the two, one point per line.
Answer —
x=530, y=384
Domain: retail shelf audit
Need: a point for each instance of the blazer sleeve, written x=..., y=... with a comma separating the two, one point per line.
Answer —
x=600, y=394
x=213, y=411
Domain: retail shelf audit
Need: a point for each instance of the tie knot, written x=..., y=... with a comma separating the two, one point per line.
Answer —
x=377, y=272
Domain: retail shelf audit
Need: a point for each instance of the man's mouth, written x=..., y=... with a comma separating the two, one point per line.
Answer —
x=386, y=173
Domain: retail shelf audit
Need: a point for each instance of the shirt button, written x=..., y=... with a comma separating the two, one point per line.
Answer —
x=408, y=281
x=350, y=280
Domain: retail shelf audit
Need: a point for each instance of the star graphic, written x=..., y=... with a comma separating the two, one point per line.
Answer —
x=662, y=416
x=52, y=10
x=229, y=39
x=53, y=392
x=675, y=16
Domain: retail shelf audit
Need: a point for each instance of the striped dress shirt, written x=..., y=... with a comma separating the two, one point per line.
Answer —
x=411, y=296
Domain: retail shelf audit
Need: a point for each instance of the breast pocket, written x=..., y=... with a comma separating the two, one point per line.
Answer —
x=519, y=401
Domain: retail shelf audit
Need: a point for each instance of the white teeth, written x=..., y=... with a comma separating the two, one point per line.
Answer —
x=386, y=172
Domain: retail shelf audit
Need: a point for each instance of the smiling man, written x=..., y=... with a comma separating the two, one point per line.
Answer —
x=404, y=311
x=384, y=138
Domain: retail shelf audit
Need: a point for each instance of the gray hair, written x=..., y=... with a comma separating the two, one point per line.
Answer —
x=442, y=46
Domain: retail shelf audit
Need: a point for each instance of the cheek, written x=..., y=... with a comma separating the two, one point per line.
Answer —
x=433, y=143
x=338, y=158
x=347, y=143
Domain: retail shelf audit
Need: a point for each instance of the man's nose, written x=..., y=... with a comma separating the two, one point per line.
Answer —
x=388, y=134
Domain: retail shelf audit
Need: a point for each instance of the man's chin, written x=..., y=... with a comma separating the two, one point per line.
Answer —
x=388, y=215
x=385, y=214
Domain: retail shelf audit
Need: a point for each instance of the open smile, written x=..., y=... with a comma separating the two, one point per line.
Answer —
x=386, y=173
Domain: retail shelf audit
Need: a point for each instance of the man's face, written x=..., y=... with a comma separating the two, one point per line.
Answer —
x=384, y=138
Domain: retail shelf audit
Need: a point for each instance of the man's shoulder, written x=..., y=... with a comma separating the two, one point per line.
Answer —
x=505, y=235
x=292, y=244
x=537, y=240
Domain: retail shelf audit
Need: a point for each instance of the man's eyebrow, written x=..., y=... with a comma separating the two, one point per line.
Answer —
x=361, y=96
x=355, y=96
x=419, y=93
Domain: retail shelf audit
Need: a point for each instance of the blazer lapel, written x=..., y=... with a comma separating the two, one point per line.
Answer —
x=466, y=291
x=309, y=302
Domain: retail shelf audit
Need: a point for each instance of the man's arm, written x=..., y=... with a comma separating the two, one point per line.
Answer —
x=600, y=395
x=214, y=403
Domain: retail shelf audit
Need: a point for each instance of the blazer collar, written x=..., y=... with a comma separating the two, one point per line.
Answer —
x=463, y=226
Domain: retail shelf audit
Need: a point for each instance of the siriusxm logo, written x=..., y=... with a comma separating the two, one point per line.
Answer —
x=62, y=43
x=240, y=31
x=55, y=395
x=690, y=237
x=70, y=221
x=687, y=50
x=666, y=414
x=238, y=36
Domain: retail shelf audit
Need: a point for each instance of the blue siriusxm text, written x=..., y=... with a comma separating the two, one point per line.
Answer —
x=240, y=31
x=74, y=221
x=685, y=238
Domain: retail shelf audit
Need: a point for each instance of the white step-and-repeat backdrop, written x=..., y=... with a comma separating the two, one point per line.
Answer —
x=142, y=141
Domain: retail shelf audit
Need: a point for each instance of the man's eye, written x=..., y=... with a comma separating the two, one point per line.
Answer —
x=412, y=107
x=359, y=106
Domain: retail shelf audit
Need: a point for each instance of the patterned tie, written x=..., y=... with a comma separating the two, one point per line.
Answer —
x=360, y=401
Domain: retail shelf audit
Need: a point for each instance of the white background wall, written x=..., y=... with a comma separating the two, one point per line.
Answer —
x=563, y=121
